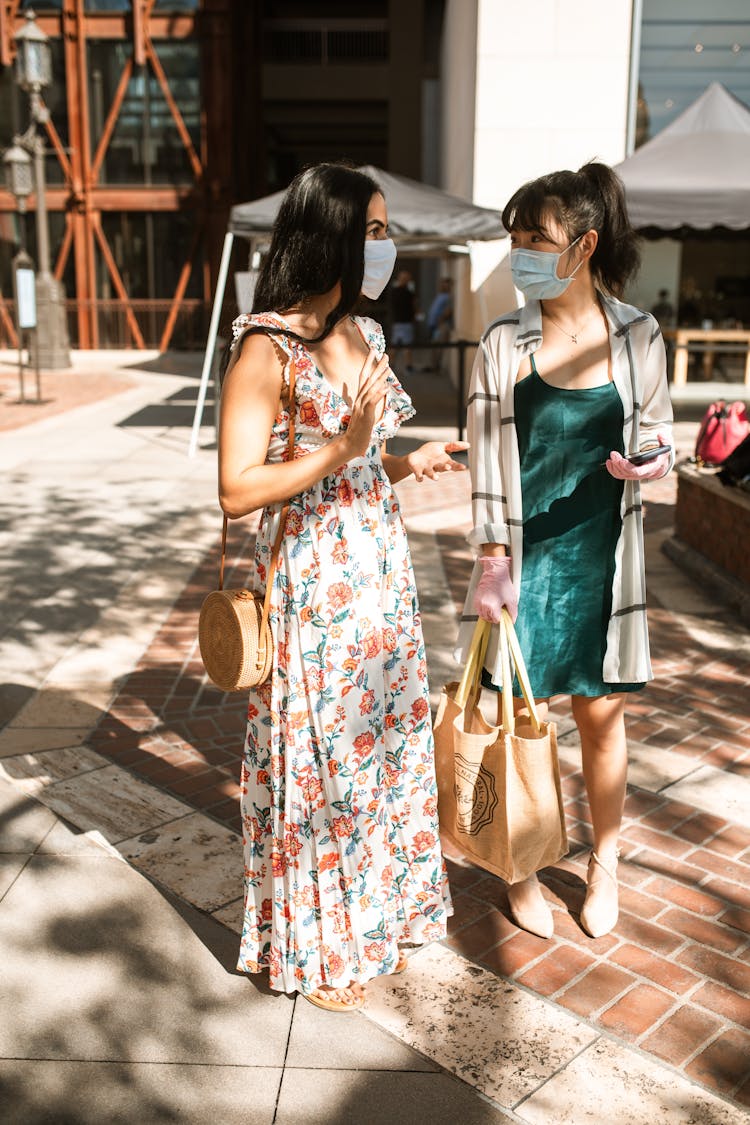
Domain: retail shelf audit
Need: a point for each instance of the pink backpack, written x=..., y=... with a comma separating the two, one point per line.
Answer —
x=722, y=429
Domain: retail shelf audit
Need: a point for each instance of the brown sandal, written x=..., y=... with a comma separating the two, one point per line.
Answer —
x=319, y=998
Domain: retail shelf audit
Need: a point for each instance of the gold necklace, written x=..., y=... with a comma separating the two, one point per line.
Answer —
x=571, y=335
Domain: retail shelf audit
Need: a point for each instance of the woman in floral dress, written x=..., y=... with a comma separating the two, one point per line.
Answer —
x=339, y=812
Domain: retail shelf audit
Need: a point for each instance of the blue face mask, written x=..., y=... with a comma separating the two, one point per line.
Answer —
x=535, y=272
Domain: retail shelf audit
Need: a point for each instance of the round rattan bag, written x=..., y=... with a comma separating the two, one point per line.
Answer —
x=234, y=633
x=235, y=639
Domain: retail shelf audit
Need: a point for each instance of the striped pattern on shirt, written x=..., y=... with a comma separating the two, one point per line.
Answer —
x=639, y=375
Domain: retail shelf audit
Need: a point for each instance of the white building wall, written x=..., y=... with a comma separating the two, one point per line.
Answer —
x=550, y=92
x=551, y=89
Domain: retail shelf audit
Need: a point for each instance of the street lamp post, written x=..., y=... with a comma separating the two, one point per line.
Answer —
x=18, y=171
x=33, y=74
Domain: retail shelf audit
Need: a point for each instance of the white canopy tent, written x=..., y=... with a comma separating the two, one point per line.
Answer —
x=423, y=220
x=417, y=214
x=695, y=173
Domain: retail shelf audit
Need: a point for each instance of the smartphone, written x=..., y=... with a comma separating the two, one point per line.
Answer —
x=647, y=455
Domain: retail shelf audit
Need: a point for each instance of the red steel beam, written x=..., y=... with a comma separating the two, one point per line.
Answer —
x=114, y=273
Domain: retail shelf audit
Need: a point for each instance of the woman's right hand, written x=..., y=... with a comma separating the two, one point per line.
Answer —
x=495, y=589
x=367, y=407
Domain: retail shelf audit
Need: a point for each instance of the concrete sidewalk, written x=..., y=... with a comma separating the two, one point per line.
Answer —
x=121, y=1004
x=125, y=1004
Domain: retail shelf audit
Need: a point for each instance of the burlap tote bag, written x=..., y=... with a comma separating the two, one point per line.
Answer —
x=499, y=796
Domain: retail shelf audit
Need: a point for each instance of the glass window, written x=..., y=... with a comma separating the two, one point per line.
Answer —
x=114, y=5
x=56, y=233
x=56, y=102
x=15, y=115
x=145, y=146
x=150, y=250
x=10, y=107
x=684, y=48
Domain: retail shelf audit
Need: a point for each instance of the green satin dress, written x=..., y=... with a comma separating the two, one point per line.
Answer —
x=571, y=524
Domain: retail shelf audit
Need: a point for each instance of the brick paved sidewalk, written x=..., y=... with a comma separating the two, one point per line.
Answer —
x=674, y=977
x=93, y=376
x=60, y=391
x=654, y=1015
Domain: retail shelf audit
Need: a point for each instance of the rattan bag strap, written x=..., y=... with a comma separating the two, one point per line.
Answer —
x=282, y=521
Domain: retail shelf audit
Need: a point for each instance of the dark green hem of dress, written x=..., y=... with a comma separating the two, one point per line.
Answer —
x=610, y=689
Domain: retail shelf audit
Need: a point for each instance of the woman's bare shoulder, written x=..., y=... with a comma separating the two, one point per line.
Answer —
x=254, y=344
x=256, y=359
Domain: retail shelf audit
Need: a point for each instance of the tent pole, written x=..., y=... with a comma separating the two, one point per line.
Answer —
x=213, y=332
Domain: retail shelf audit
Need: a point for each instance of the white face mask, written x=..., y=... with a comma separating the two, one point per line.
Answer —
x=380, y=258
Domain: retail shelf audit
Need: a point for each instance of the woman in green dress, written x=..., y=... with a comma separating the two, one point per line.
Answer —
x=564, y=391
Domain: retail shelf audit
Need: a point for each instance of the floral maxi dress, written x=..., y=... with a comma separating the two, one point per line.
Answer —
x=339, y=803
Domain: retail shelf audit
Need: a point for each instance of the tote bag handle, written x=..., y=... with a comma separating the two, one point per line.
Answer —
x=471, y=679
x=521, y=672
x=470, y=683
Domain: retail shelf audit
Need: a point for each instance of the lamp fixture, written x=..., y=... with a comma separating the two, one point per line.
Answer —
x=19, y=173
x=33, y=57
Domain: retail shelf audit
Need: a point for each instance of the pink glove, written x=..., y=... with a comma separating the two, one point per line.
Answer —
x=495, y=589
x=620, y=468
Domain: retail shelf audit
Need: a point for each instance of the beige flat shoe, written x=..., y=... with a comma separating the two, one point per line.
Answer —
x=530, y=912
x=600, y=909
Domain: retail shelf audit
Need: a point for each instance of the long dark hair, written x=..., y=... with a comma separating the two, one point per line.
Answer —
x=318, y=239
x=593, y=198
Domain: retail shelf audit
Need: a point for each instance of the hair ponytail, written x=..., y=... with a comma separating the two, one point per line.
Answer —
x=593, y=198
x=617, y=256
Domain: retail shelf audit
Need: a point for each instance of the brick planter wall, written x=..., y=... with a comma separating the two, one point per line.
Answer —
x=714, y=520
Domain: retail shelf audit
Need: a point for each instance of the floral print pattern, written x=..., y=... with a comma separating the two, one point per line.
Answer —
x=339, y=803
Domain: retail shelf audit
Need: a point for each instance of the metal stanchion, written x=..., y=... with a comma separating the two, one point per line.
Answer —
x=460, y=404
x=460, y=347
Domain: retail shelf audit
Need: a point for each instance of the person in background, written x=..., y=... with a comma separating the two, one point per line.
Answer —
x=691, y=304
x=563, y=391
x=664, y=310
x=403, y=318
x=440, y=319
x=338, y=796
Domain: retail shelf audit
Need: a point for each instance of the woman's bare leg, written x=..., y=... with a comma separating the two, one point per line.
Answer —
x=601, y=725
x=604, y=752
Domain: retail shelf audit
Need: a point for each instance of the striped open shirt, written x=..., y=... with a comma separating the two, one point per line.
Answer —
x=639, y=374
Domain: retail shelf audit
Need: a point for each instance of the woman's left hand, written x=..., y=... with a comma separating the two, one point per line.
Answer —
x=434, y=457
x=621, y=469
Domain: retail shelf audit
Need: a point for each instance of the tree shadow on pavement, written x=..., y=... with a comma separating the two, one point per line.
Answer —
x=99, y=967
